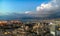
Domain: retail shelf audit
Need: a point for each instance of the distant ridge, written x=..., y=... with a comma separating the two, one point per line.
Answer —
x=28, y=17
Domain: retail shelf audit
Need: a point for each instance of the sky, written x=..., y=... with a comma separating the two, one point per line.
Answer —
x=21, y=6
x=34, y=8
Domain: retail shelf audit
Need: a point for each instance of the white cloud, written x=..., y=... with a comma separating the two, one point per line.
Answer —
x=49, y=8
x=28, y=12
x=46, y=9
x=44, y=6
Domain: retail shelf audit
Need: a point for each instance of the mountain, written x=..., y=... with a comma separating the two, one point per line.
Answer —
x=29, y=17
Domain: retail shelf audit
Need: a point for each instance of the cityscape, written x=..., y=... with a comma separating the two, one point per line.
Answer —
x=29, y=17
x=18, y=28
